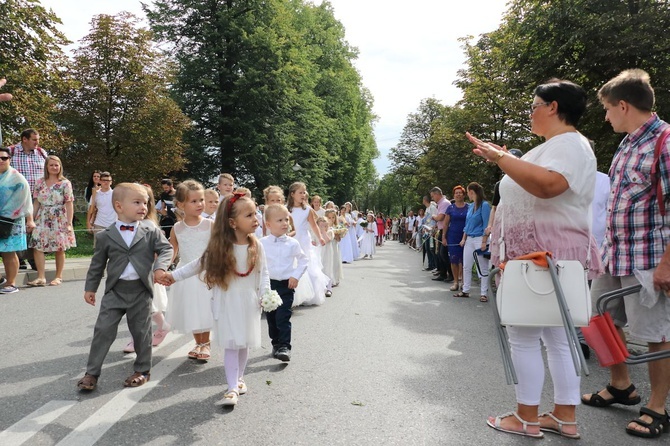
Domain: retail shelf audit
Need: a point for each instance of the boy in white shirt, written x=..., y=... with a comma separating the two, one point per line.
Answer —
x=101, y=212
x=286, y=264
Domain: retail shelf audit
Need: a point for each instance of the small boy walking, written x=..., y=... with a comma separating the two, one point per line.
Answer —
x=133, y=251
x=282, y=253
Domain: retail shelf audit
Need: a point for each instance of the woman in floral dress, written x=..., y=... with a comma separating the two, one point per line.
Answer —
x=53, y=203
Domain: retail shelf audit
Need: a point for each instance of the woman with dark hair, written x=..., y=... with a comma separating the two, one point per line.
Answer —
x=16, y=218
x=454, y=224
x=545, y=198
x=93, y=185
x=473, y=239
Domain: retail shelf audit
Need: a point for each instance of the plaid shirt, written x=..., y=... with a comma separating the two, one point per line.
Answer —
x=30, y=165
x=636, y=233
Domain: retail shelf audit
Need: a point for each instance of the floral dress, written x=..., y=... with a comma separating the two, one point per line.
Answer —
x=51, y=231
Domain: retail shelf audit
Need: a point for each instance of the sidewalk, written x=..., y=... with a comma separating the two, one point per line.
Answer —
x=75, y=269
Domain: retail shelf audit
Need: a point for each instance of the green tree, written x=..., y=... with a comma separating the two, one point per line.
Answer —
x=257, y=79
x=31, y=58
x=120, y=115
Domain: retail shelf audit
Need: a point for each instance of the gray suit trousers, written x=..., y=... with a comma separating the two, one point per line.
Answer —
x=129, y=297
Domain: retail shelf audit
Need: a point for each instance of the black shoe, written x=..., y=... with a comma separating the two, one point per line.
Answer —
x=449, y=279
x=283, y=354
x=440, y=278
x=32, y=264
x=274, y=351
x=23, y=264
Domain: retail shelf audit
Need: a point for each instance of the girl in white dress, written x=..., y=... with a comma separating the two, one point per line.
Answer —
x=346, y=249
x=325, y=252
x=369, y=237
x=331, y=217
x=351, y=224
x=234, y=266
x=189, y=302
x=312, y=286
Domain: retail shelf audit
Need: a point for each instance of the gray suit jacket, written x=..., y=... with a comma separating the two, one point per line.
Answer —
x=149, y=251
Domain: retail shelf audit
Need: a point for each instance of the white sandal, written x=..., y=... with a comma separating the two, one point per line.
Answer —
x=230, y=398
x=524, y=424
x=561, y=423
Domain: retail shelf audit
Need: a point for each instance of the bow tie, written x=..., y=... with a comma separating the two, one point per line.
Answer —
x=281, y=238
x=130, y=228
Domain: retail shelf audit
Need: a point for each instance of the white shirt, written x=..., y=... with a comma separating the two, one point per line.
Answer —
x=129, y=272
x=599, y=207
x=285, y=258
x=106, y=215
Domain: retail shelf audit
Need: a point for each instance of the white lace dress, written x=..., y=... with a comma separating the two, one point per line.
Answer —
x=311, y=288
x=189, y=302
x=237, y=310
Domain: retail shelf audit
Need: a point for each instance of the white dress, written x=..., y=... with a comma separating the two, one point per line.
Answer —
x=237, y=310
x=369, y=239
x=311, y=288
x=351, y=235
x=189, y=302
x=160, y=301
x=346, y=250
x=330, y=259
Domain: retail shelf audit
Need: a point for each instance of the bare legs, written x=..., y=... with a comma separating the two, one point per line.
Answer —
x=11, y=262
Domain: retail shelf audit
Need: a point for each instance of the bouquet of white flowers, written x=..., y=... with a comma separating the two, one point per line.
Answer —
x=340, y=231
x=270, y=301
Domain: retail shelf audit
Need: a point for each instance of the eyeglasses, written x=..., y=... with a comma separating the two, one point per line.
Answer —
x=5, y=158
x=539, y=104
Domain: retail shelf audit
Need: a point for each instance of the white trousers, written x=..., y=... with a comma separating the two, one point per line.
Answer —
x=529, y=365
x=472, y=244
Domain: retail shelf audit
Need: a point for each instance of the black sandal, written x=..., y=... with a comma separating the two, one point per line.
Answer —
x=660, y=424
x=619, y=396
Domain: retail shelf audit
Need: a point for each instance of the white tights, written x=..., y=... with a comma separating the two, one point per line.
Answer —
x=234, y=363
x=472, y=244
x=529, y=366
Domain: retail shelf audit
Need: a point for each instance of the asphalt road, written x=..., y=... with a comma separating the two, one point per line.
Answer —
x=390, y=359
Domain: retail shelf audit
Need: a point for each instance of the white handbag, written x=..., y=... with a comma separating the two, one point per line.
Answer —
x=526, y=295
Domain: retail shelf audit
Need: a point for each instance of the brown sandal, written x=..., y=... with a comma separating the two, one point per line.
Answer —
x=205, y=352
x=461, y=294
x=483, y=298
x=88, y=382
x=137, y=379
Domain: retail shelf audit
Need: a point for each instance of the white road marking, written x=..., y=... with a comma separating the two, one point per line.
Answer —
x=95, y=426
x=24, y=429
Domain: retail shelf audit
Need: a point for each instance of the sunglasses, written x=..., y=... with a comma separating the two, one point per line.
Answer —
x=5, y=158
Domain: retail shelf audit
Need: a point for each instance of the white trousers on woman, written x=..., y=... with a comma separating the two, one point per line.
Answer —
x=529, y=365
x=472, y=244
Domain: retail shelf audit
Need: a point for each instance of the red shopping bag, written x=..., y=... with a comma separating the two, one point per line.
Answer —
x=602, y=337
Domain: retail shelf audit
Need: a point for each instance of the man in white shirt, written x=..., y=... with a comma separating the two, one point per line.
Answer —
x=101, y=212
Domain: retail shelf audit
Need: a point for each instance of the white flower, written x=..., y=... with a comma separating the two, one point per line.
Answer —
x=270, y=301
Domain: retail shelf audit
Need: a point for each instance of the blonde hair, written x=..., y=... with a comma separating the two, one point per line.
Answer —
x=122, y=189
x=152, y=214
x=211, y=192
x=272, y=209
x=331, y=212
x=321, y=219
x=46, y=167
x=218, y=260
x=181, y=195
x=272, y=190
x=292, y=189
x=243, y=190
x=226, y=176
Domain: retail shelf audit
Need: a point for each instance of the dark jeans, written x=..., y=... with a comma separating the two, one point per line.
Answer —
x=443, y=263
x=429, y=250
x=279, y=321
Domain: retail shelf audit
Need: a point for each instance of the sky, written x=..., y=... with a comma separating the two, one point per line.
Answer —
x=408, y=51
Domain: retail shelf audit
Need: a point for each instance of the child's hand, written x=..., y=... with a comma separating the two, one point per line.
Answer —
x=89, y=297
x=292, y=283
x=322, y=241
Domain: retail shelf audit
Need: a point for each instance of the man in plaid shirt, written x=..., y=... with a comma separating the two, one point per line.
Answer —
x=637, y=236
x=28, y=158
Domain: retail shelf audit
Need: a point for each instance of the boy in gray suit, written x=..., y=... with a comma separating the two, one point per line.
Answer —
x=133, y=252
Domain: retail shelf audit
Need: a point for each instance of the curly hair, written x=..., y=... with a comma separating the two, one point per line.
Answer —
x=218, y=260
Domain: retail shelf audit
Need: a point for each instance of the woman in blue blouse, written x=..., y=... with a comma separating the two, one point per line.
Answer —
x=474, y=238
